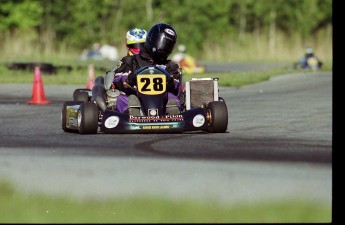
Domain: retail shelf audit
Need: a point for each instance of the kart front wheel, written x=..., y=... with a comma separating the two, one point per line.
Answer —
x=88, y=118
x=64, y=116
x=217, y=117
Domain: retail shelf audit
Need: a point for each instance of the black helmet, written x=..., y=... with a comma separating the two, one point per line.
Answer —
x=160, y=41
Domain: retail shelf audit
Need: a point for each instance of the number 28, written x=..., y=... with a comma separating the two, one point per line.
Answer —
x=151, y=84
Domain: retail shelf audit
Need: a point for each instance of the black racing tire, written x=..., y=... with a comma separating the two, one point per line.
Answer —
x=81, y=94
x=218, y=113
x=221, y=99
x=99, y=80
x=88, y=118
x=63, y=117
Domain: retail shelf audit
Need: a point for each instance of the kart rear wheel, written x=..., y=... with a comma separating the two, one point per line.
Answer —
x=63, y=117
x=88, y=118
x=99, y=80
x=218, y=117
x=79, y=94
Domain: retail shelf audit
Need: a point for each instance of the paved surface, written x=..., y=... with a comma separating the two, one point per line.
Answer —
x=279, y=146
x=241, y=67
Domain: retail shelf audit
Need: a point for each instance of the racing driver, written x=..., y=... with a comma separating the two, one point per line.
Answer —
x=159, y=44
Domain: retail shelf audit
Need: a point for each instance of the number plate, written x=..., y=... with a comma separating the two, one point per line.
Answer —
x=151, y=84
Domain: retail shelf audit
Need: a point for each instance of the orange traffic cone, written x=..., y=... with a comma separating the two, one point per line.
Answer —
x=91, y=77
x=38, y=96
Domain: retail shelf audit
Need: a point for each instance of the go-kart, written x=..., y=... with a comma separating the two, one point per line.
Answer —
x=190, y=66
x=202, y=108
x=310, y=63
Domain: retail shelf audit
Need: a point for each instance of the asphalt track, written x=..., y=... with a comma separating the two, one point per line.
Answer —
x=278, y=146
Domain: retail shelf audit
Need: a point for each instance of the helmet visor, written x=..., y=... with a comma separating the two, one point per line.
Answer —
x=165, y=44
x=136, y=45
x=134, y=51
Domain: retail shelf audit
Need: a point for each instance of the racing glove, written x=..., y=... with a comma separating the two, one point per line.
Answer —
x=131, y=80
x=170, y=83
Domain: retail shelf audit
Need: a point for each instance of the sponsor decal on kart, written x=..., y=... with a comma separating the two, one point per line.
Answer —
x=72, y=123
x=112, y=122
x=71, y=116
x=155, y=126
x=152, y=127
x=198, y=120
x=145, y=119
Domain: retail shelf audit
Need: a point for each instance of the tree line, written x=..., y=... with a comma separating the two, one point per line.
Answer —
x=78, y=23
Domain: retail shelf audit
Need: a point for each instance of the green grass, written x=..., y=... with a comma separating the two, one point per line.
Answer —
x=17, y=207
x=79, y=75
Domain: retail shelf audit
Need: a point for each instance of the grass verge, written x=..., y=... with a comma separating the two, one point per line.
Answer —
x=79, y=76
x=17, y=207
